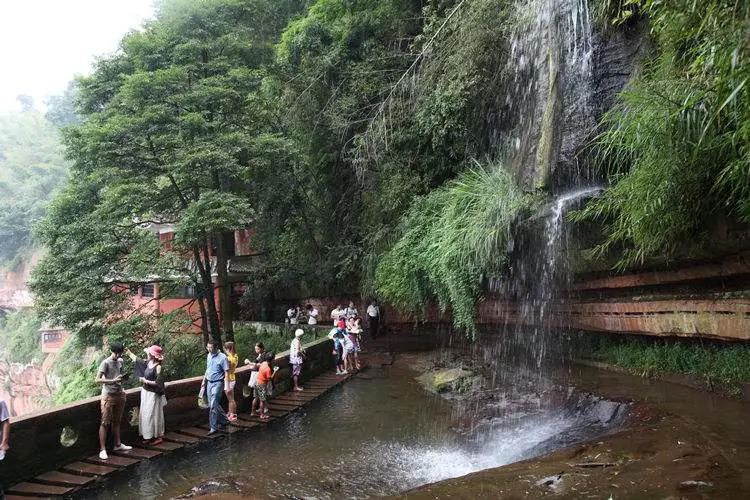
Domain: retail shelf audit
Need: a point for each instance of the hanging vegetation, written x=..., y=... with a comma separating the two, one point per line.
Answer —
x=449, y=238
x=677, y=142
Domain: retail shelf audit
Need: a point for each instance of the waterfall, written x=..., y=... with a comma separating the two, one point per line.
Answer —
x=549, y=90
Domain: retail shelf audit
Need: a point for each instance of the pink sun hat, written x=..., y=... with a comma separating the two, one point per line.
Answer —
x=155, y=351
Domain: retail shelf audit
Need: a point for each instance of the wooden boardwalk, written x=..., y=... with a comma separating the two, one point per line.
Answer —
x=87, y=471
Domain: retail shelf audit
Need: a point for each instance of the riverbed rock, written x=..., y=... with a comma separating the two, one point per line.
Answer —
x=449, y=380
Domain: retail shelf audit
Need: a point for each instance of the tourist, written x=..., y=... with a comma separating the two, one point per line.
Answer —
x=265, y=374
x=151, y=419
x=337, y=314
x=354, y=330
x=347, y=349
x=216, y=377
x=337, y=351
x=350, y=311
x=4, y=430
x=292, y=315
x=373, y=315
x=312, y=315
x=233, y=359
x=260, y=351
x=110, y=377
x=295, y=358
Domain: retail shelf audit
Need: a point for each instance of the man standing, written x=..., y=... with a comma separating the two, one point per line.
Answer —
x=216, y=381
x=373, y=315
x=113, y=399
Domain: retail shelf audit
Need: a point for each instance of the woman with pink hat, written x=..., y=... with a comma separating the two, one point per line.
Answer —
x=151, y=421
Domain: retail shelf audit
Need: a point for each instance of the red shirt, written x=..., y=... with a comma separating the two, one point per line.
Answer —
x=264, y=373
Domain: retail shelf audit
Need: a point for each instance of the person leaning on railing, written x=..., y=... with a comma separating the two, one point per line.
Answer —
x=151, y=376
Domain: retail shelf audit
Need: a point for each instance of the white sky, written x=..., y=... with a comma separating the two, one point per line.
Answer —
x=44, y=43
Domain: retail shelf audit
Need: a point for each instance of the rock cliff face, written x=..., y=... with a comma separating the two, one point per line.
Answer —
x=564, y=72
x=614, y=61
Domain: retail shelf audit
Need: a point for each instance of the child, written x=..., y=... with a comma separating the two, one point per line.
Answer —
x=229, y=348
x=265, y=373
x=338, y=350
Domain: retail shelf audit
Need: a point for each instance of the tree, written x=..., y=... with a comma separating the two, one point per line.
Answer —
x=169, y=134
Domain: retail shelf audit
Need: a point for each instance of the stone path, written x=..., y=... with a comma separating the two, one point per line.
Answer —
x=83, y=473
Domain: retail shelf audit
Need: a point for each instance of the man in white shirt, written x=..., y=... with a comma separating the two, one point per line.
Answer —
x=373, y=315
x=312, y=315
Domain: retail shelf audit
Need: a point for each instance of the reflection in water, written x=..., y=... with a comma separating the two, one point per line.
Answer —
x=369, y=437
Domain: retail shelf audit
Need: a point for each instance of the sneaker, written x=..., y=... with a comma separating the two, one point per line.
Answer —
x=299, y=388
x=122, y=447
x=232, y=417
x=103, y=455
x=211, y=432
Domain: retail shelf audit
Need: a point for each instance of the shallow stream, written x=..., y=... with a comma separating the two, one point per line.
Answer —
x=375, y=435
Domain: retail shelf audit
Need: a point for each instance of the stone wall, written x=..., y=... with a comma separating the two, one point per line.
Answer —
x=35, y=438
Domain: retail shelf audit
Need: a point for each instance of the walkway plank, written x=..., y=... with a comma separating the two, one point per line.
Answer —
x=289, y=407
x=138, y=453
x=297, y=399
x=240, y=422
x=113, y=461
x=88, y=469
x=198, y=432
x=165, y=446
x=283, y=403
x=63, y=479
x=180, y=438
x=253, y=418
x=36, y=489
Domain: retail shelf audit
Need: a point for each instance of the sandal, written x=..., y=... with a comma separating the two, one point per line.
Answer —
x=264, y=417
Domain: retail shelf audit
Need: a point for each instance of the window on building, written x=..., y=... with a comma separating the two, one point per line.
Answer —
x=52, y=336
x=133, y=290
x=147, y=290
x=176, y=291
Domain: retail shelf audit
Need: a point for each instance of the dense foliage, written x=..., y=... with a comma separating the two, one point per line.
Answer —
x=20, y=337
x=677, y=142
x=449, y=239
x=31, y=168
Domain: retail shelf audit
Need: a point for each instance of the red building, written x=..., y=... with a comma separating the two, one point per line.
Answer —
x=161, y=297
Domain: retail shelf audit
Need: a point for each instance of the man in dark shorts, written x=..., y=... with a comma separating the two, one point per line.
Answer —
x=113, y=399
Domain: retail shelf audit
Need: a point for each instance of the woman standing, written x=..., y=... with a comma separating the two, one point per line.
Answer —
x=354, y=330
x=229, y=390
x=151, y=421
x=295, y=358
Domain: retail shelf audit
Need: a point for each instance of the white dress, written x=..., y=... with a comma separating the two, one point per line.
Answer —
x=151, y=420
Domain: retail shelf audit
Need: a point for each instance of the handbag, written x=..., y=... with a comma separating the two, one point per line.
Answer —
x=202, y=398
x=253, y=379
